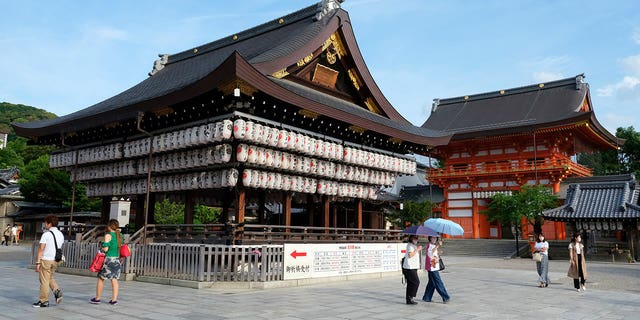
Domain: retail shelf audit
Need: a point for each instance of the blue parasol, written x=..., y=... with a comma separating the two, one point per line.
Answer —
x=444, y=226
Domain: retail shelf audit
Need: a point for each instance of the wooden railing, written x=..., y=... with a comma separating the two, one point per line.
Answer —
x=484, y=168
x=260, y=234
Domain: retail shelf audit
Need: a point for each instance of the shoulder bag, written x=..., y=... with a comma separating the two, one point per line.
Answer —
x=59, y=256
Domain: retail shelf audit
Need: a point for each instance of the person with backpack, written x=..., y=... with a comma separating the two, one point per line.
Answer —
x=6, y=235
x=46, y=264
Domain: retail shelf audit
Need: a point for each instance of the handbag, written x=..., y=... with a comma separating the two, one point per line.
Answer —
x=440, y=264
x=97, y=262
x=537, y=257
x=124, y=251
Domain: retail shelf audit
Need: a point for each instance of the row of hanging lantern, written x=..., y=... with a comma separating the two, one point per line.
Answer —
x=108, y=170
x=599, y=225
x=489, y=194
x=271, y=180
x=308, y=165
x=189, y=159
x=187, y=181
x=242, y=130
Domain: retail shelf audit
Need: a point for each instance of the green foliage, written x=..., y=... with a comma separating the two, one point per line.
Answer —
x=82, y=202
x=10, y=159
x=528, y=202
x=610, y=162
x=167, y=212
x=204, y=215
x=18, y=113
x=39, y=183
x=413, y=213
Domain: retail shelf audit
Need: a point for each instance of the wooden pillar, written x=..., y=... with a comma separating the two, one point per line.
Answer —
x=556, y=187
x=104, y=211
x=359, y=212
x=139, y=211
x=475, y=219
x=325, y=210
x=240, y=200
x=334, y=213
x=287, y=208
x=189, y=206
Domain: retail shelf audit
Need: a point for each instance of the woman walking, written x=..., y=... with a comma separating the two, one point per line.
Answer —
x=433, y=267
x=542, y=266
x=410, y=268
x=112, y=264
x=577, y=264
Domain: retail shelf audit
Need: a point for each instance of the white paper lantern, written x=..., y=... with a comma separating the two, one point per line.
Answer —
x=227, y=129
x=239, y=129
x=242, y=152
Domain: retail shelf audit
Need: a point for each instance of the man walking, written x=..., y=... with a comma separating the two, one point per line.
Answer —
x=46, y=264
x=14, y=234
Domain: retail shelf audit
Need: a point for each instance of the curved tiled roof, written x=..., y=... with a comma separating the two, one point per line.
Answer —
x=516, y=110
x=599, y=198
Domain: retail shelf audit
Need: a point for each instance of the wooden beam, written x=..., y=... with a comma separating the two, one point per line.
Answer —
x=325, y=210
x=240, y=205
x=287, y=209
x=359, y=212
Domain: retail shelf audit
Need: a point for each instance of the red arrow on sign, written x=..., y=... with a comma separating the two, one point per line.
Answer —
x=295, y=254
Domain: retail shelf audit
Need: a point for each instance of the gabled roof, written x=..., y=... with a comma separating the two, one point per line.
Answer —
x=252, y=56
x=515, y=110
x=599, y=198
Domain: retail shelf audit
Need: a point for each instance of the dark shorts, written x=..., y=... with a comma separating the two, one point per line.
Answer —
x=110, y=269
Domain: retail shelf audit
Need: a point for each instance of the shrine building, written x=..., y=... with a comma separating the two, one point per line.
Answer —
x=505, y=139
x=280, y=119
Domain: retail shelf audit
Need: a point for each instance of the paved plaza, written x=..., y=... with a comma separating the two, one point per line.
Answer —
x=480, y=288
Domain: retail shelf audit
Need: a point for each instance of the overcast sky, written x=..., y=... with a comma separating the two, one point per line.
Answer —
x=63, y=56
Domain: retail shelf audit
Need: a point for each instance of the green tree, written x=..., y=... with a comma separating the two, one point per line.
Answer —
x=609, y=162
x=9, y=158
x=82, y=202
x=39, y=183
x=167, y=212
x=204, y=215
x=412, y=213
x=528, y=203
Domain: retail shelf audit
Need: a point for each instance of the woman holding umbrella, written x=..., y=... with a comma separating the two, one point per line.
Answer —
x=410, y=268
x=433, y=267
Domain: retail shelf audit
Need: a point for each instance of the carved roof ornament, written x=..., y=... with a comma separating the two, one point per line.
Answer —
x=159, y=64
x=327, y=6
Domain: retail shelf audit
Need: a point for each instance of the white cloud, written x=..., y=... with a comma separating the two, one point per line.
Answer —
x=632, y=63
x=635, y=36
x=543, y=76
x=628, y=84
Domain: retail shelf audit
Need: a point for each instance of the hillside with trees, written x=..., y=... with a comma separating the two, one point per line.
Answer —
x=10, y=113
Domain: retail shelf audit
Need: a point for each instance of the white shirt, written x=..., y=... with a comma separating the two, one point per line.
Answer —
x=411, y=262
x=541, y=245
x=49, y=252
x=14, y=231
x=578, y=251
x=432, y=252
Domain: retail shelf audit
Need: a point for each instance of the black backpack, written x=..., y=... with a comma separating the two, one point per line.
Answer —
x=59, y=257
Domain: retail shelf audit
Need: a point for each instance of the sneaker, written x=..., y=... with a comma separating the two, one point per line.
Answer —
x=58, y=295
x=40, y=304
x=445, y=301
x=578, y=290
x=94, y=301
x=584, y=288
x=113, y=303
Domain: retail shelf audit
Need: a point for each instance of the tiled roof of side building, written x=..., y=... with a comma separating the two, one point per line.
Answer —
x=599, y=200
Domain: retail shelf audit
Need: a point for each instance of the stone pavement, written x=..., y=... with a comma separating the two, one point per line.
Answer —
x=480, y=288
